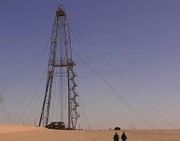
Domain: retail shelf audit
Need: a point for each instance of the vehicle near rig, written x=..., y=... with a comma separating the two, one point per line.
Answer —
x=59, y=125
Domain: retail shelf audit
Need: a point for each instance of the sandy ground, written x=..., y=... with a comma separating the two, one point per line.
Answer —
x=28, y=133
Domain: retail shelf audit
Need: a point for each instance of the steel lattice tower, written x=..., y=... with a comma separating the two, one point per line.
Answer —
x=60, y=59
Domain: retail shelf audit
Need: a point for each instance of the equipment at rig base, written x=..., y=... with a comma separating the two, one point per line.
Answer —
x=60, y=60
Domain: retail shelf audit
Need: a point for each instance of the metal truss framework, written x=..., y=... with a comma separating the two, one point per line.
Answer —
x=60, y=58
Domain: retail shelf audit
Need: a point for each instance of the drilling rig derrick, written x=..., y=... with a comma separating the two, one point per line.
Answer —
x=60, y=59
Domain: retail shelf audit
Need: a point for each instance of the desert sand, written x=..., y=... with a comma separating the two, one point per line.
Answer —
x=29, y=133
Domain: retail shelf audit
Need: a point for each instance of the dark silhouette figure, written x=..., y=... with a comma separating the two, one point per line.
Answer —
x=116, y=137
x=123, y=137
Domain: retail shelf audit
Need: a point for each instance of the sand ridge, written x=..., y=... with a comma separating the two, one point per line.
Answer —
x=29, y=133
x=16, y=128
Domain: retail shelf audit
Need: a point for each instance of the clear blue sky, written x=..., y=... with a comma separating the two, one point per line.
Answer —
x=133, y=45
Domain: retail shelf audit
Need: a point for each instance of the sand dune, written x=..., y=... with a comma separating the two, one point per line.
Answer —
x=28, y=133
x=16, y=128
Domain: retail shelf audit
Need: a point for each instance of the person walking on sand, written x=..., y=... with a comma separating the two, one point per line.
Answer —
x=123, y=137
x=116, y=137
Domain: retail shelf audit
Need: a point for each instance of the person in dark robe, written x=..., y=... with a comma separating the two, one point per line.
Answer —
x=116, y=137
x=123, y=137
